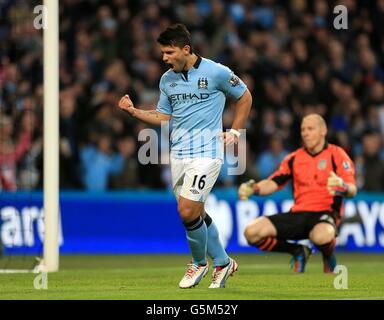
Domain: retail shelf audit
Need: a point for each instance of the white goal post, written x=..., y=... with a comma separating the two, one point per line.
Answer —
x=51, y=136
x=50, y=261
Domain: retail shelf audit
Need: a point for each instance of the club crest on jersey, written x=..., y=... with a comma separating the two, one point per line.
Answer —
x=346, y=165
x=172, y=85
x=202, y=83
x=322, y=164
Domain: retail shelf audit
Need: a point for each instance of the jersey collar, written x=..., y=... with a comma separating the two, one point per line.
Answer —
x=195, y=65
x=198, y=61
x=316, y=154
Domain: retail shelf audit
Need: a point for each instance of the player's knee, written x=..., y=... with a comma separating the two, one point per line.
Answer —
x=187, y=213
x=323, y=237
x=248, y=233
x=253, y=233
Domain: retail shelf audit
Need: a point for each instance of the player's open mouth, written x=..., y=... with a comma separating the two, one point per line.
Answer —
x=171, y=65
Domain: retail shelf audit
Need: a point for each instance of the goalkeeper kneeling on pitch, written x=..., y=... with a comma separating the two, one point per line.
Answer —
x=322, y=174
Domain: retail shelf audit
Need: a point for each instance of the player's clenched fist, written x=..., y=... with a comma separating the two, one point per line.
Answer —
x=246, y=189
x=126, y=104
x=336, y=185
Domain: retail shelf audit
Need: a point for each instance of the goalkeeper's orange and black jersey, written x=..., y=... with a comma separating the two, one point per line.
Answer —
x=309, y=174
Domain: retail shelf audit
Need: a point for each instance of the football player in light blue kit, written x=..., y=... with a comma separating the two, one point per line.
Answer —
x=192, y=97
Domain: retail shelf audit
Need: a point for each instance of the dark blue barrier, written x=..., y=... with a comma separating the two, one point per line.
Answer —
x=147, y=222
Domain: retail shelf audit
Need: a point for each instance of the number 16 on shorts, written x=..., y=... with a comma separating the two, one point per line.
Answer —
x=201, y=182
x=197, y=177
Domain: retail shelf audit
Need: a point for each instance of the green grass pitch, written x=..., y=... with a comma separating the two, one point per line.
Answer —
x=156, y=277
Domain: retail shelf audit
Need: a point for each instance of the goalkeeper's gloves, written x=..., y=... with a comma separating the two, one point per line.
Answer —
x=336, y=185
x=247, y=189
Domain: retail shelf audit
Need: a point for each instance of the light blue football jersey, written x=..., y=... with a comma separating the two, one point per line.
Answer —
x=196, y=100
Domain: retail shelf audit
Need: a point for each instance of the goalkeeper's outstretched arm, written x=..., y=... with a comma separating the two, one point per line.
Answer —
x=263, y=188
x=267, y=187
x=148, y=116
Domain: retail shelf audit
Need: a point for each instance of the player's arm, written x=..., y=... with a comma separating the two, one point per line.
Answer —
x=232, y=86
x=263, y=188
x=337, y=186
x=275, y=182
x=243, y=107
x=342, y=182
x=148, y=116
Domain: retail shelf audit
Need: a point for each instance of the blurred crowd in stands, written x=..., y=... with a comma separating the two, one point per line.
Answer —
x=288, y=52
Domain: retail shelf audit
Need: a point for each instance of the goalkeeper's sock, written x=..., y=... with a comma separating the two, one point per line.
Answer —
x=214, y=247
x=327, y=249
x=277, y=245
x=197, y=240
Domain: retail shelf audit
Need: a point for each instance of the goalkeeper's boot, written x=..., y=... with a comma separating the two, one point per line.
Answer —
x=221, y=274
x=300, y=259
x=329, y=263
x=193, y=275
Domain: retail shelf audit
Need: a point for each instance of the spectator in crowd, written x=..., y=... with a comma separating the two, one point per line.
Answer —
x=99, y=163
x=28, y=168
x=371, y=163
x=128, y=178
x=270, y=159
x=11, y=152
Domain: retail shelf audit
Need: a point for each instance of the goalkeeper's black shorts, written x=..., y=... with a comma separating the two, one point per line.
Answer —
x=298, y=225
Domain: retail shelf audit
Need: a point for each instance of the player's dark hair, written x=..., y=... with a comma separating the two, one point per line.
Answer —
x=176, y=35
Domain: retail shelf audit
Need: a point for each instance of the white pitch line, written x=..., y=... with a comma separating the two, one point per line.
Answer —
x=15, y=271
